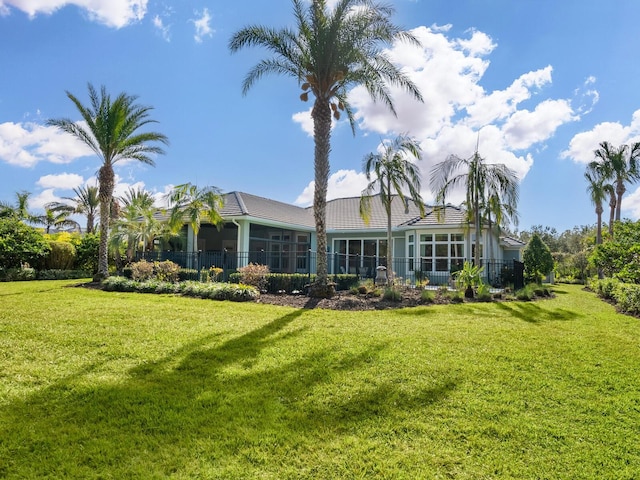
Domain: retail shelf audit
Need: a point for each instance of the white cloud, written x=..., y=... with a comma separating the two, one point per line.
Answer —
x=164, y=30
x=458, y=111
x=202, y=25
x=113, y=13
x=26, y=144
x=64, y=181
x=583, y=144
x=631, y=205
x=38, y=202
x=343, y=183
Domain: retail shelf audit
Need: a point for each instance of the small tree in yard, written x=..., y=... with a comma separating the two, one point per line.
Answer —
x=538, y=261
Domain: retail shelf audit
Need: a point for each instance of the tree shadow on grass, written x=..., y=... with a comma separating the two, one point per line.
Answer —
x=534, y=313
x=207, y=405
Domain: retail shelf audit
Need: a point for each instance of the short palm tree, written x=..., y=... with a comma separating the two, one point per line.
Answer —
x=623, y=165
x=135, y=222
x=112, y=131
x=481, y=180
x=56, y=217
x=328, y=52
x=391, y=173
x=20, y=209
x=86, y=202
x=189, y=203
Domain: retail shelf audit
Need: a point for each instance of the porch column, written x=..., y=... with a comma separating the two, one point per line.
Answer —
x=243, y=242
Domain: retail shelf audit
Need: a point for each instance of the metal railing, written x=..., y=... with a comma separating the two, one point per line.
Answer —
x=406, y=270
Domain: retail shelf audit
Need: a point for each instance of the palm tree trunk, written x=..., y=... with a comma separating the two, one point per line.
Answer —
x=389, y=237
x=321, y=115
x=106, y=181
x=599, y=235
x=620, y=189
x=612, y=206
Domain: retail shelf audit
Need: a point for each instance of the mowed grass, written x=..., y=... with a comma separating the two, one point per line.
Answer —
x=113, y=385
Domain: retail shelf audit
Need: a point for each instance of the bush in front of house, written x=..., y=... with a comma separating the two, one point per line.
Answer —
x=216, y=291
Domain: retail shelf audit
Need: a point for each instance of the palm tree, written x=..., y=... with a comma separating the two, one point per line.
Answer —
x=481, y=181
x=497, y=211
x=20, y=209
x=86, y=202
x=623, y=167
x=391, y=172
x=56, y=217
x=328, y=52
x=135, y=222
x=599, y=187
x=112, y=132
x=194, y=204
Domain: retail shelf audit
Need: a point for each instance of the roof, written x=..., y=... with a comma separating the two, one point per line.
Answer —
x=239, y=204
x=510, y=242
x=342, y=213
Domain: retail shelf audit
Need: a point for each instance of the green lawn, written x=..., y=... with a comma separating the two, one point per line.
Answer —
x=113, y=385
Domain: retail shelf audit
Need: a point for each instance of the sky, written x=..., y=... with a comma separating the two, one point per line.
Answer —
x=535, y=84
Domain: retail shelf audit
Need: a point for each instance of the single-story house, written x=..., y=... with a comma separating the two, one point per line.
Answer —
x=282, y=236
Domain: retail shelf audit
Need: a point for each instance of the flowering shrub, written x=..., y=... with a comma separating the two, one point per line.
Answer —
x=166, y=271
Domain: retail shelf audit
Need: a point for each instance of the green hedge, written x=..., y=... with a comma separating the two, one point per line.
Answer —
x=626, y=296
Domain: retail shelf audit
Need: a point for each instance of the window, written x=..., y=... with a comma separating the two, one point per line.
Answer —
x=358, y=256
x=440, y=252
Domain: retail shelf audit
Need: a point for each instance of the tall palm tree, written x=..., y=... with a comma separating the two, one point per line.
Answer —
x=112, y=131
x=56, y=217
x=480, y=180
x=328, y=52
x=623, y=167
x=500, y=212
x=390, y=172
x=194, y=204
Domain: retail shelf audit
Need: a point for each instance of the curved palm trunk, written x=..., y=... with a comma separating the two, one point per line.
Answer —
x=321, y=115
x=106, y=181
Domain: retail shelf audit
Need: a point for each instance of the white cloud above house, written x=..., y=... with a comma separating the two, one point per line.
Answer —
x=343, y=183
x=202, y=24
x=458, y=113
x=65, y=181
x=112, y=13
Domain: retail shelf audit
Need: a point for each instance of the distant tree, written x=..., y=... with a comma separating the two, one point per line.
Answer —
x=86, y=202
x=538, y=261
x=190, y=204
x=113, y=133
x=623, y=166
x=598, y=189
x=328, y=52
x=391, y=173
x=20, y=209
x=620, y=257
x=56, y=217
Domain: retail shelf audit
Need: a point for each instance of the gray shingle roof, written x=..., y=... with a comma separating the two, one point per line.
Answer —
x=342, y=213
x=510, y=242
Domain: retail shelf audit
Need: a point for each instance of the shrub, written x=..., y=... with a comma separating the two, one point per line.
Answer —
x=87, y=247
x=20, y=244
x=61, y=256
x=525, y=294
x=141, y=270
x=483, y=293
x=166, y=271
x=186, y=274
x=62, y=274
x=255, y=275
x=627, y=297
x=427, y=296
x=456, y=297
x=345, y=281
x=606, y=287
x=17, y=274
x=392, y=295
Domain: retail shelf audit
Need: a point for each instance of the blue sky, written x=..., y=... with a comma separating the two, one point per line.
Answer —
x=541, y=83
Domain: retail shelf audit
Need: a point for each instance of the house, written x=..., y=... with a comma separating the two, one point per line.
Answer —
x=282, y=236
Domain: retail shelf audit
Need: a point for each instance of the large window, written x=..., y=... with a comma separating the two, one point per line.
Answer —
x=282, y=250
x=440, y=252
x=359, y=256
